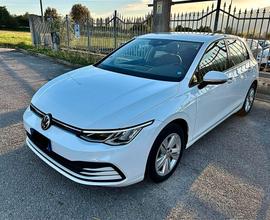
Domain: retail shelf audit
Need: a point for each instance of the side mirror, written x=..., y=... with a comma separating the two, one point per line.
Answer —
x=213, y=78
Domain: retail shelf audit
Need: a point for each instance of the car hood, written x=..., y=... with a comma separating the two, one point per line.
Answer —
x=92, y=98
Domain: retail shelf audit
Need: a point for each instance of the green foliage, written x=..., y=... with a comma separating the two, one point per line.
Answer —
x=79, y=13
x=74, y=57
x=51, y=13
x=204, y=29
x=4, y=16
x=22, y=40
x=180, y=28
x=8, y=21
x=139, y=28
x=54, y=19
x=228, y=30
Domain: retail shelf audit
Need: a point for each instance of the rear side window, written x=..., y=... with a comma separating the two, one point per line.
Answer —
x=237, y=52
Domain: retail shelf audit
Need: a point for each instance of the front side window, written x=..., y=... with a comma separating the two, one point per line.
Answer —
x=160, y=59
x=214, y=59
x=238, y=52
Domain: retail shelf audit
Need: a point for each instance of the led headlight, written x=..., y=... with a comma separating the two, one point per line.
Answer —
x=114, y=137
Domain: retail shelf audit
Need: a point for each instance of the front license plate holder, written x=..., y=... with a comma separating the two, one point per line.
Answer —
x=42, y=142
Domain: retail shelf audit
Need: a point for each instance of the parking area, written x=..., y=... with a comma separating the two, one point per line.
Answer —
x=224, y=175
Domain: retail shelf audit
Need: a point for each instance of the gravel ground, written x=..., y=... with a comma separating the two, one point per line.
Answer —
x=224, y=175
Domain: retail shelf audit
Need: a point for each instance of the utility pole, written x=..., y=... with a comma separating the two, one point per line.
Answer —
x=162, y=14
x=217, y=15
x=41, y=8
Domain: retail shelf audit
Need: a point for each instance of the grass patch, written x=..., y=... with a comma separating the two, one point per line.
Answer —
x=15, y=38
x=70, y=56
x=98, y=42
x=22, y=40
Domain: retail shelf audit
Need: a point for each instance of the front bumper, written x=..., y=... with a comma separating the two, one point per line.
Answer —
x=99, y=164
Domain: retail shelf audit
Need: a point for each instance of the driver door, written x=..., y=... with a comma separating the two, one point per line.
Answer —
x=214, y=102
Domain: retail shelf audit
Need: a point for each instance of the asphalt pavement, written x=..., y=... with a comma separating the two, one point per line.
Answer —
x=225, y=175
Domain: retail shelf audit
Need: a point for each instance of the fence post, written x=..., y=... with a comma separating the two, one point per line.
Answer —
x=88, y=33
x=162, y=15
x=217, y=15
x=32, y=30
x=114, y=28
x=68, y=39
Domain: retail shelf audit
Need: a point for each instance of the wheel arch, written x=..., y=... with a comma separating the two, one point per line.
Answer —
x=178, y=121
x=183, y=124
x=255, y=82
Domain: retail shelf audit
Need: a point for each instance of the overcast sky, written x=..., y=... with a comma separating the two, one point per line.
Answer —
x=101, y=8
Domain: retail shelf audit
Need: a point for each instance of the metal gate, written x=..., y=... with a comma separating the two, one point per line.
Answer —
x=253, y=25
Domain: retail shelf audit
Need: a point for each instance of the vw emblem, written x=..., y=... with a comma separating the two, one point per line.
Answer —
x=46, y=122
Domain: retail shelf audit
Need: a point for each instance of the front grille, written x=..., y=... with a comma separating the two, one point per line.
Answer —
x=87, y=171
x=56, y=122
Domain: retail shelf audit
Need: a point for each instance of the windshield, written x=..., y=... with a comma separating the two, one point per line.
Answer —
x=153, y=58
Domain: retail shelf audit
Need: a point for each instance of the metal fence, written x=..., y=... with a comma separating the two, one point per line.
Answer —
x=102, y=35
x=253, y=25
x=40, y=31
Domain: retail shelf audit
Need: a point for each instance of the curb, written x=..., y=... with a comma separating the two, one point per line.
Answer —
x=263, y=97
x=264, y=85
x=55, y=60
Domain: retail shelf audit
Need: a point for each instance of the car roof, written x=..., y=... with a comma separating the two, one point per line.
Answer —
x=188, y=36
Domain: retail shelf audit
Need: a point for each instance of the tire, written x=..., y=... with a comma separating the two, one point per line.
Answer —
x=249, y=100
x=171, y=155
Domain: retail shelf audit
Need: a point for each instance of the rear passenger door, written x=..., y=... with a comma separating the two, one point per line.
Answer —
x=240, y=68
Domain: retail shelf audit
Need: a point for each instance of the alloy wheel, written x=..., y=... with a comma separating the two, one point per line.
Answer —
x=168, y=154
x=250, y=99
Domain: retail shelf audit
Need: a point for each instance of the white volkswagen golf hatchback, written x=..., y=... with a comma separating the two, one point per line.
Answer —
x=132, y=114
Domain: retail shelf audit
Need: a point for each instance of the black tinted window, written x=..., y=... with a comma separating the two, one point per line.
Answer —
x=160, y=59
x=238, y=52
x=215, y=58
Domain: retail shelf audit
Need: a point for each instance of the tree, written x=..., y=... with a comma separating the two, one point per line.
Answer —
x=204, y=29
x=13, y=22
x=51, y=13
x=5, y=17
x=79, y=13
x=23, y=20
x=268, y=36
x=139, y=27
x=228, y=30
x=180, y=28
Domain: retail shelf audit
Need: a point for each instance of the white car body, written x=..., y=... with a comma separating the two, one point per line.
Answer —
x=263, y=58
x=255, y=47
x=97, y=99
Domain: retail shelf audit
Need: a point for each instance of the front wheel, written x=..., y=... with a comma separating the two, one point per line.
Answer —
x=248, y=104
x=166, y=153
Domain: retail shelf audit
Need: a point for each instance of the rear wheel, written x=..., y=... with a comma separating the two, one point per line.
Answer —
x=166, y=153
x=248, y=104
